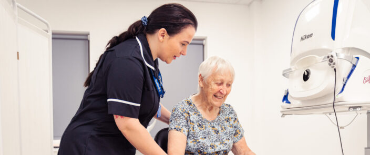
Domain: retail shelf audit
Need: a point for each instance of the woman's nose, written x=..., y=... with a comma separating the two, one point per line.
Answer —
x=222, y=90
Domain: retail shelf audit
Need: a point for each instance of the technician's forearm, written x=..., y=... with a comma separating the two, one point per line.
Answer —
x=165, y=115
x=140, y=138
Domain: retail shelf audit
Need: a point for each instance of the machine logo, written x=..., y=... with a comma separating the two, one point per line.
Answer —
x=366, y=79
x=306, y=36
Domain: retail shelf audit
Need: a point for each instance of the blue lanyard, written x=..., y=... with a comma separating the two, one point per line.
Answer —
x=158, y=83
x=159, y=87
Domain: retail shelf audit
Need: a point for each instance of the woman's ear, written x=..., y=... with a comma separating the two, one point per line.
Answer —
x=162, y=34
x=201, y=81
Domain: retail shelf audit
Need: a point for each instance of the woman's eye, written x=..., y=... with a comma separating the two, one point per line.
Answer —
x=183, y=44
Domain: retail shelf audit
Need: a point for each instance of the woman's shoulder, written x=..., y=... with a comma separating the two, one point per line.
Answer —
x=227, y=106
x=228, y=110
x=185, y=103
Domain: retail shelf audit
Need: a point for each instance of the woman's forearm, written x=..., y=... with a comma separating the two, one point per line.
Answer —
x=138, y=136
x=241, y=148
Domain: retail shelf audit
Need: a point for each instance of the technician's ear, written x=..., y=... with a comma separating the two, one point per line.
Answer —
x=162, y=33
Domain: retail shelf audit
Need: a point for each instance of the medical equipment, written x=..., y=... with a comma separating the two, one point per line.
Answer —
x=330, y=60
x=328, y=36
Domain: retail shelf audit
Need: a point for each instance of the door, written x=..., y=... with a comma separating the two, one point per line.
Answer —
x=70, y=69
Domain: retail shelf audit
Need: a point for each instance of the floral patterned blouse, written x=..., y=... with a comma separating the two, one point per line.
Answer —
x=204, y=136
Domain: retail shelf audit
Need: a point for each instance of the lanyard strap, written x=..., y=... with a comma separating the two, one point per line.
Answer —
x=159, y=87
x=158, y=84
x=157, y=81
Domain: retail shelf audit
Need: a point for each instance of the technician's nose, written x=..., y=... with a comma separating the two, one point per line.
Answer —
x=183, y=52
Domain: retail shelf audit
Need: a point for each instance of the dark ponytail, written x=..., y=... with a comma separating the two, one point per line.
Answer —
x=173, y=17
x=134, y=29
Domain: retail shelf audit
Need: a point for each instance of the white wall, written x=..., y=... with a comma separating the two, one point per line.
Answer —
x=1, y=133
x=9, y=111
x=304, y=135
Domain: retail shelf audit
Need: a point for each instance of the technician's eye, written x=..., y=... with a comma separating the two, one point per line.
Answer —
x=182, y=44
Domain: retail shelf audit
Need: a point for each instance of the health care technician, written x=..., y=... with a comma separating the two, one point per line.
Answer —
x=124, y=89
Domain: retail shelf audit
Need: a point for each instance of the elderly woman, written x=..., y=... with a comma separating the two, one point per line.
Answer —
x=203, y=123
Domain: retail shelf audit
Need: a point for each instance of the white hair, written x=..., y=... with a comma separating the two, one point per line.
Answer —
x=214, y=64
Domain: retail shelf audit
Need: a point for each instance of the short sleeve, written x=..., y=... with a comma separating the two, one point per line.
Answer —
x=237, y=127
x=125, y=80
x=179, y=120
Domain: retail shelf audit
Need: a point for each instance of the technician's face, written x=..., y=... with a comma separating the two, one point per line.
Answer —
x=176, y=45
x=217, y=87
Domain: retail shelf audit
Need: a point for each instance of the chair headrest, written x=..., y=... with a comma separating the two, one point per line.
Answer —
x=162, y=138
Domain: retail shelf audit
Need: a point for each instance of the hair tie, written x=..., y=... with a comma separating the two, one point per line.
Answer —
x=144, y=21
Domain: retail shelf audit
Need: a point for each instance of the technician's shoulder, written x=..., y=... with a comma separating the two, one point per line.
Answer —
x=123, y=58
x=128, y=48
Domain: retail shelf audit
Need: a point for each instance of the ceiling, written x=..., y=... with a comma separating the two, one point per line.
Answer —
x=241, y=2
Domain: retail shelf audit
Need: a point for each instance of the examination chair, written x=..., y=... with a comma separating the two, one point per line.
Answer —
x=162, y=138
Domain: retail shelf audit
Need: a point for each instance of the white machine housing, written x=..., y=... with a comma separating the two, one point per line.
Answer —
x=330, y=34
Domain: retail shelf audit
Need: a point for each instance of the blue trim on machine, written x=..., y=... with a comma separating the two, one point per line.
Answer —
x=349, y=74
x=334, y=19
x=285, y=98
